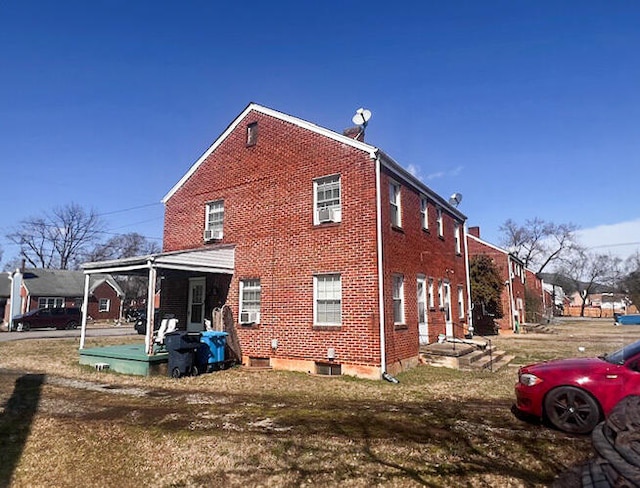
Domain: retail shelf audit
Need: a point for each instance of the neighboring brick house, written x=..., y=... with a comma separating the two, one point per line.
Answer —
x=42, y=288
x=538, y=307
x=324, y=242
x=512, y=271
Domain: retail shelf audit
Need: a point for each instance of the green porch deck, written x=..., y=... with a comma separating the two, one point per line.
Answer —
x=126, y=359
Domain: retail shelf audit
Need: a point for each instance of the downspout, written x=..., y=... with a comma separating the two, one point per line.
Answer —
x=466, y=267
x=383, y=354
x=85, y=310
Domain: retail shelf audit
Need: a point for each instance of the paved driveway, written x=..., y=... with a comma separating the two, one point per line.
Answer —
x=53, y=333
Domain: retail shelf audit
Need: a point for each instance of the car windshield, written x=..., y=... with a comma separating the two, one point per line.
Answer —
x=621, y=355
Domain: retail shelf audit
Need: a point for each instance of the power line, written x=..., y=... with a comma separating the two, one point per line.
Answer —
x=146, y=205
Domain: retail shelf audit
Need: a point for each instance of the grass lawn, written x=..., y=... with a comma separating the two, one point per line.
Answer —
x=62, y=424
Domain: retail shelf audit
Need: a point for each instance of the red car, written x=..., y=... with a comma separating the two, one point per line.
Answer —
x=574, y=395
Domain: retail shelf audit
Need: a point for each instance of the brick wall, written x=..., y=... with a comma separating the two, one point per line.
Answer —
x=267, y=190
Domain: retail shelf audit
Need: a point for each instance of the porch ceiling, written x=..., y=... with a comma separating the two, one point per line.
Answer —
x=220, y=259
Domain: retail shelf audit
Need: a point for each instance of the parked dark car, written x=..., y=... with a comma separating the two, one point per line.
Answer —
x=40, y=318
x=141, y=321
x=575, y=394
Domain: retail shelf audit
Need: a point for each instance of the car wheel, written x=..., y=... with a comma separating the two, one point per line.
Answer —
x=176, y=373
x=72, y=325
x=572, y=410
x=23, y=326
x=194, y=370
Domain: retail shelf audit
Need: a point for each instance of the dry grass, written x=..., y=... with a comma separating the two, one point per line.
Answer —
x=66, y=425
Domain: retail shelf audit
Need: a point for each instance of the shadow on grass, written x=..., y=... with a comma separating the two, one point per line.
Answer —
x=15, y=422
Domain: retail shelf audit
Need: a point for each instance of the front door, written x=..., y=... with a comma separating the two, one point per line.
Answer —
x=423, y=328
x=447, y=310
x=195, y=310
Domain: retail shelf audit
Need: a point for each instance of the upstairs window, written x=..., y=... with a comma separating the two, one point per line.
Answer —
x=424, y=213
x=250, y=291
x=394, y=200
x=252, y=134
x=440, y=224
x=456, y=236
x=328, y=203
x=214, y=220
x=327, y=291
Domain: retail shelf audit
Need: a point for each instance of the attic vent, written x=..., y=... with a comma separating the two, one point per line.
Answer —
x=252, y=134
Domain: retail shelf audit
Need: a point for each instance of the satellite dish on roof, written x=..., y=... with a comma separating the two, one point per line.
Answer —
x=362, y=117
x=455, y=199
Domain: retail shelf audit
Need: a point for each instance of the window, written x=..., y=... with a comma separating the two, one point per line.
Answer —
x=440, y=294
x=215, y=220
x=327, y=290
x=394, y=200
x=460, y=302
x=456, y=236
x=398, y=299
x=424, y=213
x=250, y=301
x=430, y=296
x=440, y=223
x=252, y=134
x=422, y=299
x=50, y=302
x=328, y=206
x=104, y=305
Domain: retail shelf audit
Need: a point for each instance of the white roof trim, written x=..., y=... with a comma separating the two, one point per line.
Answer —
x=504, y=251
x=278, y=115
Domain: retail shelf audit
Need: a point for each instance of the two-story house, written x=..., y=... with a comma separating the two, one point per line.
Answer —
x=332, y=257
x=513, y=273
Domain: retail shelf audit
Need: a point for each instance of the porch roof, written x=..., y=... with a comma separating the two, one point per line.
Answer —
x=219, y=259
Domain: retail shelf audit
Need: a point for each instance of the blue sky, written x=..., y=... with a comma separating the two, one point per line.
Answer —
x=529, y=109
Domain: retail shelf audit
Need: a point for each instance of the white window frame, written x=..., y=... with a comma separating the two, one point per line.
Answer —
x=424, y=212
x=333, y=212
x=247, y=306
x=440, y=223
x=398, y=299
x=461, y=311
x=456, y=236
x=441, y=294
x=50, y=302
x=430, y=294
x=395, y=203
x=421, y=282
x=214, y=225
x=327, y=295
x=252, y=134
x=104, y=305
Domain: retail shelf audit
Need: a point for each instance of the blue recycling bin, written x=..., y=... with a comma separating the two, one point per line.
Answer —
x=210, y=354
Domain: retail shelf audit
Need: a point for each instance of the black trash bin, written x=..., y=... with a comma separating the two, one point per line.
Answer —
x=182, y=347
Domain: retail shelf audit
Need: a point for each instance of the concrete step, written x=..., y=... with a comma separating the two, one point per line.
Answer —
x=504, y=361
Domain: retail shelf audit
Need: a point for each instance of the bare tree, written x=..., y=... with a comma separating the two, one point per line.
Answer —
x=630, y=283
x=122, y=246
x=587, y=271
x=58, y=239
x=539, y=243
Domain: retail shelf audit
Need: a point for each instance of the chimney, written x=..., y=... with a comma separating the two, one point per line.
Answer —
x=474, y=231
x=23, y=264
x=356, y=133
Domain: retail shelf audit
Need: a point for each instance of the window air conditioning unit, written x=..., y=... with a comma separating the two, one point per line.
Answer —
x=249, y=317
x=325, y=215
x=210, y=234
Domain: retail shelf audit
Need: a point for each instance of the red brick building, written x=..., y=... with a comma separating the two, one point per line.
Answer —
x=512, y=271
x=332, y=257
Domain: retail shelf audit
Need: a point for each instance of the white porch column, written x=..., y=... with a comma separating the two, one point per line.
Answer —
x=151, y=290
x=85, y=310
